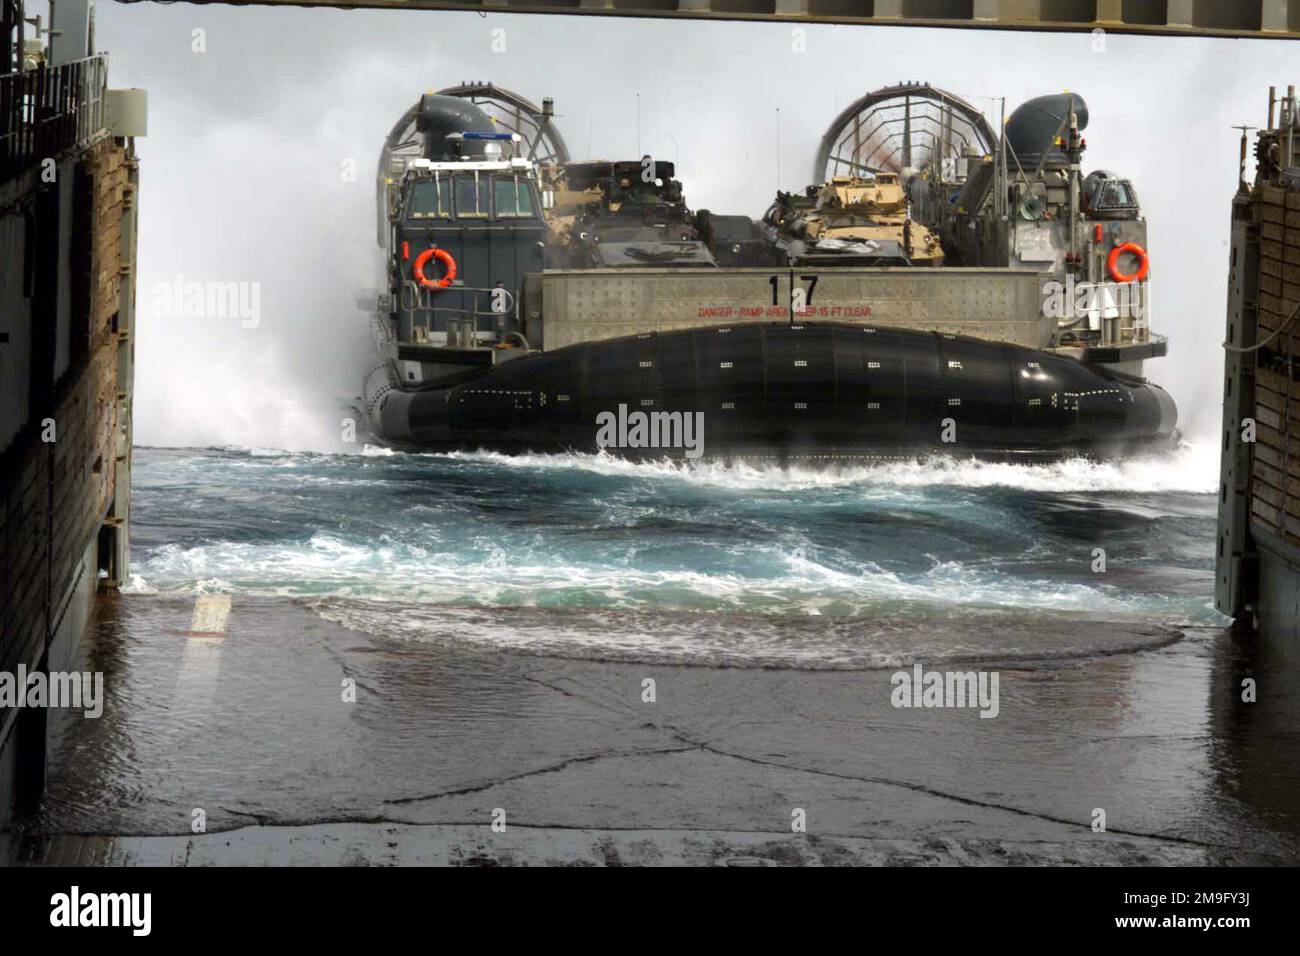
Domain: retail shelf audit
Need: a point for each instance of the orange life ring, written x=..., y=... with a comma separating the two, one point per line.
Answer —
x=443, y=256
x=1144, y=263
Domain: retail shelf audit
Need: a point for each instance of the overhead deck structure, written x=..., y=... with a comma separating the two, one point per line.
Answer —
x=1230, y=18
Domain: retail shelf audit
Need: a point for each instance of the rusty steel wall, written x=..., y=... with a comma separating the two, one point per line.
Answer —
x=64, y=484
x=1275, y=485
x=1257, y=558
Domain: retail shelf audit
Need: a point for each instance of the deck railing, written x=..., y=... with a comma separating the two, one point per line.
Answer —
x=48, y=110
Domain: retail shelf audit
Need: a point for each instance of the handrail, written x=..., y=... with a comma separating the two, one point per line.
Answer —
x=46, y=111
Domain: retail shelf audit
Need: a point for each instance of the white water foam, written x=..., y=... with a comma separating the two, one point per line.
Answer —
x=719, y=640
x=490, y=577
x=1191, y=468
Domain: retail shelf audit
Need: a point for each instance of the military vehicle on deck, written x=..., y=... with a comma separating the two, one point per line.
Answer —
x=614, y=214
x=852, y=220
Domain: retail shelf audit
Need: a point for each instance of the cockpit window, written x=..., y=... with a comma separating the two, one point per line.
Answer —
x=514, y=200
x=1115, y=194
x=470, y=201
x=431, y=199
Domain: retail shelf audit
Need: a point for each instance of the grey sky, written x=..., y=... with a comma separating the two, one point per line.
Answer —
x=242, y=168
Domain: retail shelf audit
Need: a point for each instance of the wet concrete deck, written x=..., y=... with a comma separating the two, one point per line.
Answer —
x=251, y=728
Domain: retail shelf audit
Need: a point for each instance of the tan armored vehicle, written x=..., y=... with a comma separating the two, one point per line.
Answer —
x=852, y=220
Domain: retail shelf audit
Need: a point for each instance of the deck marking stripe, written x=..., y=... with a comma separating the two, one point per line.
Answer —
x=210, y=613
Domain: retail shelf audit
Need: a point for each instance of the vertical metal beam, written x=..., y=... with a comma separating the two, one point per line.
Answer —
x=121, y=508
x=1235, y=562
x=907, y=132
x=857, y=139
x=1110, y=11
x=9, y=16
x=1181, y=13
x=1273, y=16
